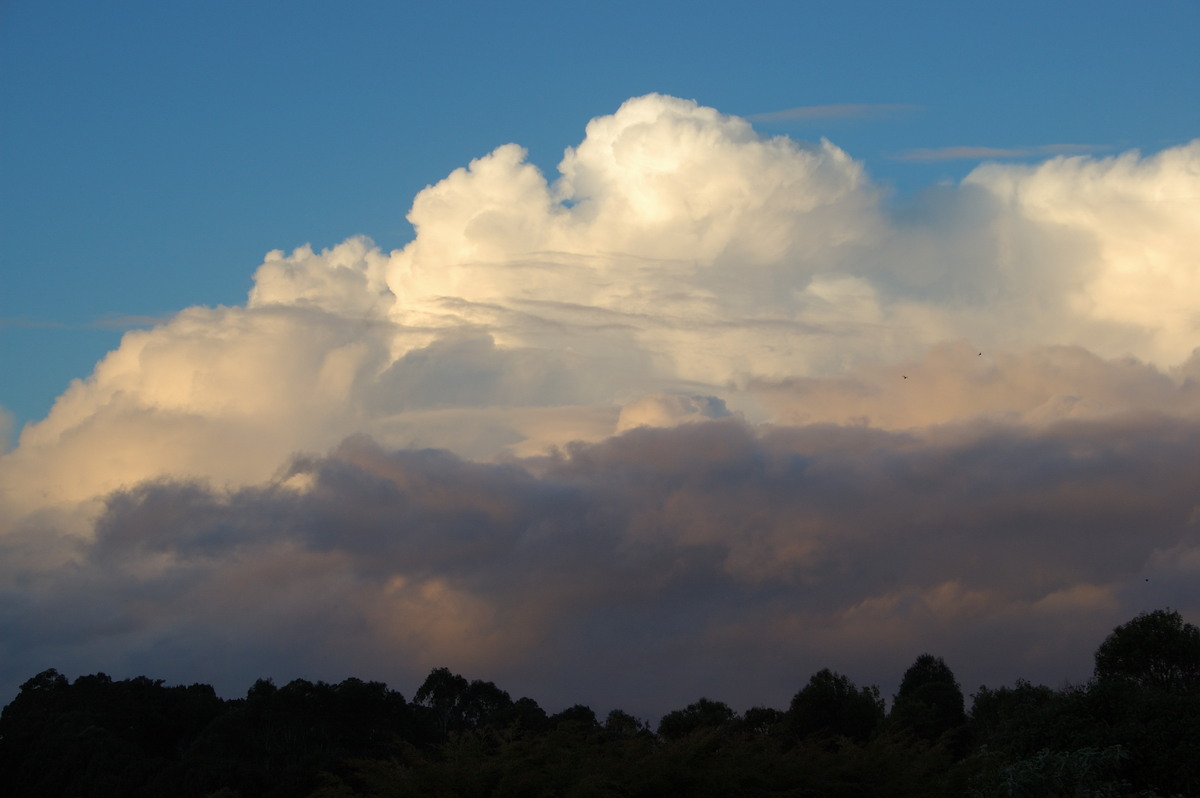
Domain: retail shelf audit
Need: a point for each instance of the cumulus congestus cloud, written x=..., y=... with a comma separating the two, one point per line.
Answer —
x=705, y=397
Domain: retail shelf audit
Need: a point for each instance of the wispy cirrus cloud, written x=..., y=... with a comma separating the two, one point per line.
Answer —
x=127, y=321
x=807, y=113
x=977, y=153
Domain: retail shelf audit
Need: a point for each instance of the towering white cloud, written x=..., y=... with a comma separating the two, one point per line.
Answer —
x=671, y=224
x=740, y=400
x=1133, y=222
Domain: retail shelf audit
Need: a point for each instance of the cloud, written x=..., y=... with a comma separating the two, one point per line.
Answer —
x=698, y=416
x=956, y=384
x=668, y=410
x=126, y=321
x=6, y=429
x=969, y=153
x=805, y=113
x=643, y=570
x=1137, y=218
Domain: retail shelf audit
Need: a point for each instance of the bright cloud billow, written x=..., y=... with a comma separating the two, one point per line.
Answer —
x=704, y=414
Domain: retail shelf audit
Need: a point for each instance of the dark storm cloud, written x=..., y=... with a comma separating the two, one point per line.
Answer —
x=645, y=570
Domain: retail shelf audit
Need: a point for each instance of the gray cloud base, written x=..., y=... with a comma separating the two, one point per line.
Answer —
x=644, y=571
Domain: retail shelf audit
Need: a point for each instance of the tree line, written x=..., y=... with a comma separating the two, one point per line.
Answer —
x=1132, y=730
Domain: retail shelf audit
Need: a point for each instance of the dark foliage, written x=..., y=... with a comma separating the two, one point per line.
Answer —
x=1133, y=731
x=830, y=705
x=930, y=702
x=1156, y=649
x=99, y=736
x=704, y=714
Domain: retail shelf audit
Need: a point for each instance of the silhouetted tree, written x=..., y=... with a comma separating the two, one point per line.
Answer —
x=98, y=736
x=1156, y=649
x=831, y=705
x=930, y=701
x=524, y=716
x=762, y=720
x=443, y=693
x=578, y=715
x=1010, y=717
x=622, y=724
x=1132, y=731
x=483, y=704
x=702, y=714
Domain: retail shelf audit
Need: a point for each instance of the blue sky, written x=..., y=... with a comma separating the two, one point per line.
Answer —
x=848, y=332
x=153, y=152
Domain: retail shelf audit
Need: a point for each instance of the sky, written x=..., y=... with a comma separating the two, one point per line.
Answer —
x=617, y=353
